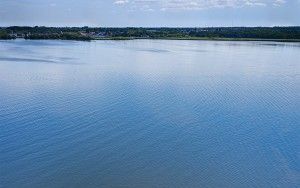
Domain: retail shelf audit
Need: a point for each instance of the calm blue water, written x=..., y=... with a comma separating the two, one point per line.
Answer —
x=149, y=114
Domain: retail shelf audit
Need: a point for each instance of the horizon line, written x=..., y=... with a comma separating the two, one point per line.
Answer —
x=151, y=26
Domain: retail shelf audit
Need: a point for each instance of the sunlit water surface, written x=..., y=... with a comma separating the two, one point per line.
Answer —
x=149, y=114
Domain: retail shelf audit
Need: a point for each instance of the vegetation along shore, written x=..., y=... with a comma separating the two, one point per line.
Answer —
x=281, y=34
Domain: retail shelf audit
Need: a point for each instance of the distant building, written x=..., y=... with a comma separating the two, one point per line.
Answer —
x=95, y=34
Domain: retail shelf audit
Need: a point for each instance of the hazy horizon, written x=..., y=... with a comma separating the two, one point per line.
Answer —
x=150, y=13
x=144, y=26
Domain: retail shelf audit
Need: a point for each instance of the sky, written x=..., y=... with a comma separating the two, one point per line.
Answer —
x=150, y=13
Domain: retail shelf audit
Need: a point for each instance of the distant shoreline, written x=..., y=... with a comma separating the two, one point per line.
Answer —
x=179, y=39
x=277, y=34
x=205, y=39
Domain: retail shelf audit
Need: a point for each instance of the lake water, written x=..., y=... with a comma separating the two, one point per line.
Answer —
x=148, y=113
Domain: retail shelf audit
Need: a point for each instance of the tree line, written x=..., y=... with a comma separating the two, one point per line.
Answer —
x=89, y=33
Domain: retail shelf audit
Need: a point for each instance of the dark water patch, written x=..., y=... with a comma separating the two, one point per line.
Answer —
x=45, y=43
x=154, y=50
x=30, y=60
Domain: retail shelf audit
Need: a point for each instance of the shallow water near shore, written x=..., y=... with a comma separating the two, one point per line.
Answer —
x=146, y=113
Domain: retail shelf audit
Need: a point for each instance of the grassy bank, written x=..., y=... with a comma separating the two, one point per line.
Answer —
x=199, y=38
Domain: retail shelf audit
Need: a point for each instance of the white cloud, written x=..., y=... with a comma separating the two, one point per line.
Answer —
x=194, y=4
x=121, y=2
x=278, y=2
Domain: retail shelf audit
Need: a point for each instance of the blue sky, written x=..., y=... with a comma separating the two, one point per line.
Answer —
x=148, y=13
